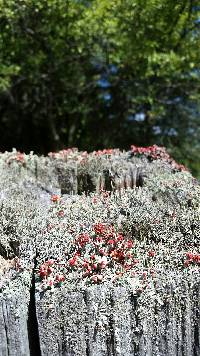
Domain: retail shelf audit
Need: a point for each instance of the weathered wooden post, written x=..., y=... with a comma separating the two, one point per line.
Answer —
x=99, y=254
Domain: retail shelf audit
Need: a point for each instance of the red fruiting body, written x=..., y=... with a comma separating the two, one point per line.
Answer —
x=127, y=267
x=192, y=258
x=82, y=239
x=99, y=228
x=103, y=262
x=144, y=274
x=111, y=242
x=20, y=157
x=99, y=277
x=151, y=253
x=196, y=258
x=94, y=252
x=61, y=213
x=43, y=273
x=105, y=151
x=187, y=263
x=120, y=237
x=155, y=152
x=189, y=255
x=140, y=290
x=60, y=278
x=72, y=262
x=50, y=283
x=78, y=253
x=94, y=279
x=50, y=262
x=55, y=198
x=49, y=270
x=105, y=194
x=129, y=244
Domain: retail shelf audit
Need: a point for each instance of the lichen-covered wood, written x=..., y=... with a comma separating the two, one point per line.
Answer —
x=14, y=340
x=103, y=320
x=99, y=255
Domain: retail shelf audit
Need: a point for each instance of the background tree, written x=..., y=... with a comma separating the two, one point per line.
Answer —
x=100, y=73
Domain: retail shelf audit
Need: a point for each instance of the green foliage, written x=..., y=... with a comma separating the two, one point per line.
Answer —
x=100, y=73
